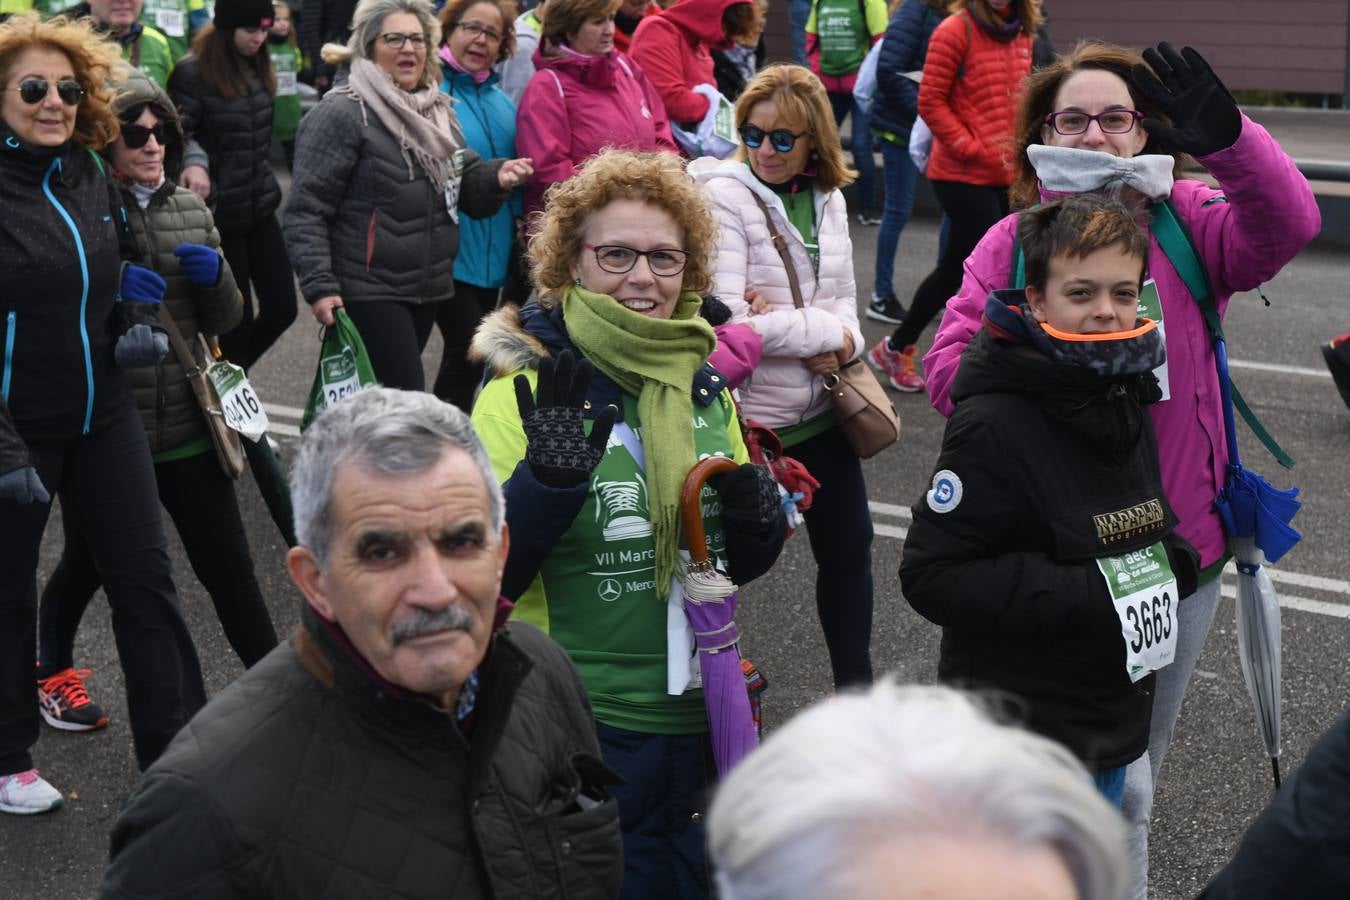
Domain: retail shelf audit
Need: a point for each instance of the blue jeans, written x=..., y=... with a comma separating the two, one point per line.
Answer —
x=842, y=105
x=1111, y=782
x=798, y=12
x=899, y=175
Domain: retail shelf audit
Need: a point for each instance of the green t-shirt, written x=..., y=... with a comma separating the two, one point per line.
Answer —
x=286, y=109
x=845, y=29
x=801, y=212
x=596, y=594
x=151, y=55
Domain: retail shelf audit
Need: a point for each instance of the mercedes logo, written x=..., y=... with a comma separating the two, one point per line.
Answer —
x=609, y=590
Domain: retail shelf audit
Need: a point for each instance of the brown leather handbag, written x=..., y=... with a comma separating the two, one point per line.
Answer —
x=862, y=407
x=229, y=446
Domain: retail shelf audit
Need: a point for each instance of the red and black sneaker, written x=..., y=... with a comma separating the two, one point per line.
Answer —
x=1337, y=354
x=65, y=704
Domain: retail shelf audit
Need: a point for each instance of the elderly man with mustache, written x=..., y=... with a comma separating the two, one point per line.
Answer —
x=407, y=743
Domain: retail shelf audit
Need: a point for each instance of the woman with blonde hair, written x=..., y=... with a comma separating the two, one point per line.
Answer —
x=592, y=470
x=786, y=180
x=68, y=424
x=584, y=96
x=382, y=175
x=972, y=77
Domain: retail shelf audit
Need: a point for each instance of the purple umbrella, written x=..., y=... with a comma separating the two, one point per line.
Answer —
x=710, y=605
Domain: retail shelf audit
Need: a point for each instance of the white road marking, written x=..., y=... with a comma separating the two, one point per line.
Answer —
x=285, y=412
x=1281, y=369
x=1229, y=588
x=283, y=429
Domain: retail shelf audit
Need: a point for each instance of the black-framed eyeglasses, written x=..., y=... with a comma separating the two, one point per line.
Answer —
x=396, y=39
x=137, y=136
x=781, y=139
x=617, y=259
x=1113, y=121
x=34, y=90
x=475, y=31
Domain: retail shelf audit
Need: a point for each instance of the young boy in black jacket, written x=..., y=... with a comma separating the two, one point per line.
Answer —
x=1045, y=548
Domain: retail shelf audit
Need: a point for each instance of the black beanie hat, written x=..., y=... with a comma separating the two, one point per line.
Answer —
x=244, y=14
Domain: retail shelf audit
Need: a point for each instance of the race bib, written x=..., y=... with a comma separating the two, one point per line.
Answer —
x=339, y=377
x=285, y=84
x=1150, y=307
x=1144, y=592
x=239, y=402
x=170, y=21
x=452, y=186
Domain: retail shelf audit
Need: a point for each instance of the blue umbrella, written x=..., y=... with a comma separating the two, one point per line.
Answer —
x=1256, y=516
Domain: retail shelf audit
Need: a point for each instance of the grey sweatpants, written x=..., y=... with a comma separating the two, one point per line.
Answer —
x=1195, y=614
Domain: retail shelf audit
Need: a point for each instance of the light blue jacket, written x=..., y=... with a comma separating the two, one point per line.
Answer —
x=488, y=118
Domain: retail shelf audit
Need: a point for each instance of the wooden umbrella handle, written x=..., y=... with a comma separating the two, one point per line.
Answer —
x=691, y=512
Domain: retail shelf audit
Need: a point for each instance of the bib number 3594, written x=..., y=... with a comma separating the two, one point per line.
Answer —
x=1144, y=591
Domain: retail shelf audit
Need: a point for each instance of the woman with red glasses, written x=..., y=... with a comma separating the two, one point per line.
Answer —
x=1099, y=119
x=176, y=235
x=68, y=425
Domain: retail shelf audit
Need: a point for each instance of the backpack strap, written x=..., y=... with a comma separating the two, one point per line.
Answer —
x=1179, y=249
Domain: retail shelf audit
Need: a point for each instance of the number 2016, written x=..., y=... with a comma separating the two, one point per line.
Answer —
x=1151, y=621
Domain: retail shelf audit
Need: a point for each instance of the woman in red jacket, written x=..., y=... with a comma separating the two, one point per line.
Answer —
x=973, y=78
x=674, y=49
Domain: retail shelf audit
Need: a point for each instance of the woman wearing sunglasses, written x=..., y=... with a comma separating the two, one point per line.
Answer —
x=620, y=259
x=1099, y=119
x=790, y=169
x=224, y=91
x=584, y=96
x=383, y=179
x=74, y=431
x=175, y=234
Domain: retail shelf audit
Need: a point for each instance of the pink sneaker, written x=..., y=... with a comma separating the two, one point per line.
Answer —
x=900, y=368
x=26, y=793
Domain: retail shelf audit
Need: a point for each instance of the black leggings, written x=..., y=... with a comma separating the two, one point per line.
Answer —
x=839, y=524
x=258, y=257
x=458, y=318
x=202, y=504
x=106, y=483
x=395, y=335
x=972, y=210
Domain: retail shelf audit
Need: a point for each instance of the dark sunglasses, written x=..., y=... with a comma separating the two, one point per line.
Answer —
x=34, y=90
x=137, y=136
x=782, y=140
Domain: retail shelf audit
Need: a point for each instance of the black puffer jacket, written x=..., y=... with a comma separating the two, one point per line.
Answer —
x=237, y=137
x=307, y=778
x=174, y=216
x=1004, y=559
x=60, y=268
x=904, y=49
x=362, y=224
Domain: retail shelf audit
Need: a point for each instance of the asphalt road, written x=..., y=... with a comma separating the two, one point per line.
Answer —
x=1216, y=778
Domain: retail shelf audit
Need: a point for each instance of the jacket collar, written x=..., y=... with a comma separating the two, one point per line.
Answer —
x=706, y=168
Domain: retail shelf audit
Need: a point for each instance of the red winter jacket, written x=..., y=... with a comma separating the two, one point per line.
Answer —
x=971, y=116
x=575, y=106
x=674, y=47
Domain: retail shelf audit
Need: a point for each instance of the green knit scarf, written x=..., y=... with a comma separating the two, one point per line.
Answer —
x=654, y=360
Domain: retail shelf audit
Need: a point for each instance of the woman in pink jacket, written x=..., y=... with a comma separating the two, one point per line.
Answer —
x=1097, y=120
x=791, y=162
x=584, y=96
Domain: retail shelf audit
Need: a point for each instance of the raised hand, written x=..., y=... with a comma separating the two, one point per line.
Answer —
x=560, y=453
x=1205, y=117
x=200, y=264
x=141, y=284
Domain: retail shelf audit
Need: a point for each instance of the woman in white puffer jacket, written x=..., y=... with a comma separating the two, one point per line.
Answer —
x=791, y=161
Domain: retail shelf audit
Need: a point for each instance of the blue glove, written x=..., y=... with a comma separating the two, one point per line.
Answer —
x=141, y=346
x=200, y=264
x=142, y=285
x=23, y=486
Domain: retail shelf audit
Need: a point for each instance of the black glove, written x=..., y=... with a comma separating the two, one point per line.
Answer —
x=141, y=346
x=750, y=498
x=1185, y=563
x=23, y=486
x=560, y=453
x=1205, y=117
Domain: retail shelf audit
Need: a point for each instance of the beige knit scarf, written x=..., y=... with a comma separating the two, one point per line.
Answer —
x=421, y=120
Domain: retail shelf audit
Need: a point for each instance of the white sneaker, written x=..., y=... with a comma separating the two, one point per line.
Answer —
x=26, y=793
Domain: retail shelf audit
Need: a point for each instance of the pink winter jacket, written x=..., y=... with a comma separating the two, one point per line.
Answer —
x=782, y=391
x=1244, y=233
x=575, y=106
